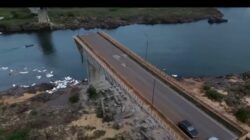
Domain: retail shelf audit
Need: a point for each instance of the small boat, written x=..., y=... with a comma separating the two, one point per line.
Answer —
x=30, y=45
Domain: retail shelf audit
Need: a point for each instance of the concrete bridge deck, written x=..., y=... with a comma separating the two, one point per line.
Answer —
x=166, y=100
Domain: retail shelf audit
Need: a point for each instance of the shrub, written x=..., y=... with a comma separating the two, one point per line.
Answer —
x=70, y=14
x=230, y=75
x=92, y=93
x=247, y=84
x=33, y=112
x=246, y=74
x=74, y=98
x=18, y=135
x=109, y=116
x=116, y=126
x=206, y=87
x=214, y=95
x=88, y=127
x=98, y=133
x=113, y=9
x=243, y=115
x=3, y=108
x=98, y=112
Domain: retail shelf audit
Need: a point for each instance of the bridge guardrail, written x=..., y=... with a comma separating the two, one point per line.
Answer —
x=169, y=122
x=175, y=85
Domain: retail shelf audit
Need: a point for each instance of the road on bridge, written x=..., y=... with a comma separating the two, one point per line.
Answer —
x=166, y=100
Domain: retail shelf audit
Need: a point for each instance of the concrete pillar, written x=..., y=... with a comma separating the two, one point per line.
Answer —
x=95, y=72
x=43, y=16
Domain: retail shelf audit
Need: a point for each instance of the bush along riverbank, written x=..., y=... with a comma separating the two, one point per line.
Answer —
x=229, y=94
x=21, y=19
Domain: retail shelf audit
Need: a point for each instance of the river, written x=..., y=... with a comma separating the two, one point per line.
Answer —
x=190, y=49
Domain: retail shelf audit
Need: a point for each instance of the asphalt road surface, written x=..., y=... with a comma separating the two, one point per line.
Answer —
x=166, y=100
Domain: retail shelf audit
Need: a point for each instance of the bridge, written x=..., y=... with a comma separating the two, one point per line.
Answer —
x=154, y=90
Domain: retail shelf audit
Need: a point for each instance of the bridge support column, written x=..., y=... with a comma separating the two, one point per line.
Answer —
x=94, y=70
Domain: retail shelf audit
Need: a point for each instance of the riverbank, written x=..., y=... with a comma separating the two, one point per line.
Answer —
x=21, y=20
x=229, y=95
x=79, y=111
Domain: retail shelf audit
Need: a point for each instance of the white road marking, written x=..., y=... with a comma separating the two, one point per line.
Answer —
x=117, y=57
x=124, y=65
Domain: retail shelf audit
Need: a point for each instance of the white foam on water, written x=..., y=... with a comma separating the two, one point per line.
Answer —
x=33, y=84
x=24, y=86
x=48, y=75
x=38, y=77
x=23, y=72
x=60, y=84
x=68, y=78
x=4, y=68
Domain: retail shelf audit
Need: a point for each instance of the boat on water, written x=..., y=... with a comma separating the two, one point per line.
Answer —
x=29, y=45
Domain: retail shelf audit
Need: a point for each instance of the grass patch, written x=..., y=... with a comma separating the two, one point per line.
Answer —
x=92, y=93
x=243, y=115
x=74, y=98
x=214, y=95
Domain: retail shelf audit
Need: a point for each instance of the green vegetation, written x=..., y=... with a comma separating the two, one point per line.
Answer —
x=98, y=134
x=172, y=13
x=247, y=85
x=92, y=93
x=17, y=18
x=98, y=112
x=243, y=115
x=246, y=75
x=14, y=135
x=214, y=95
x=206, y=87
x=74, y=98
x=33, y=112
x=120, y=136
x=88, y=127
x=116, y=126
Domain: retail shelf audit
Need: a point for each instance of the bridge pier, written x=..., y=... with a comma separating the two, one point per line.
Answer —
x=95, y=72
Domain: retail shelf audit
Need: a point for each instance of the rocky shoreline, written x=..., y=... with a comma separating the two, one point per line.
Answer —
x=75, y=112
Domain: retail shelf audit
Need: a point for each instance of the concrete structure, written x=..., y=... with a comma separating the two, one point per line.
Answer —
x=108, y=59
x=43, y=16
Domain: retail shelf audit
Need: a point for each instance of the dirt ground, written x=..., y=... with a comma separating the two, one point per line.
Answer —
x=42, y=116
